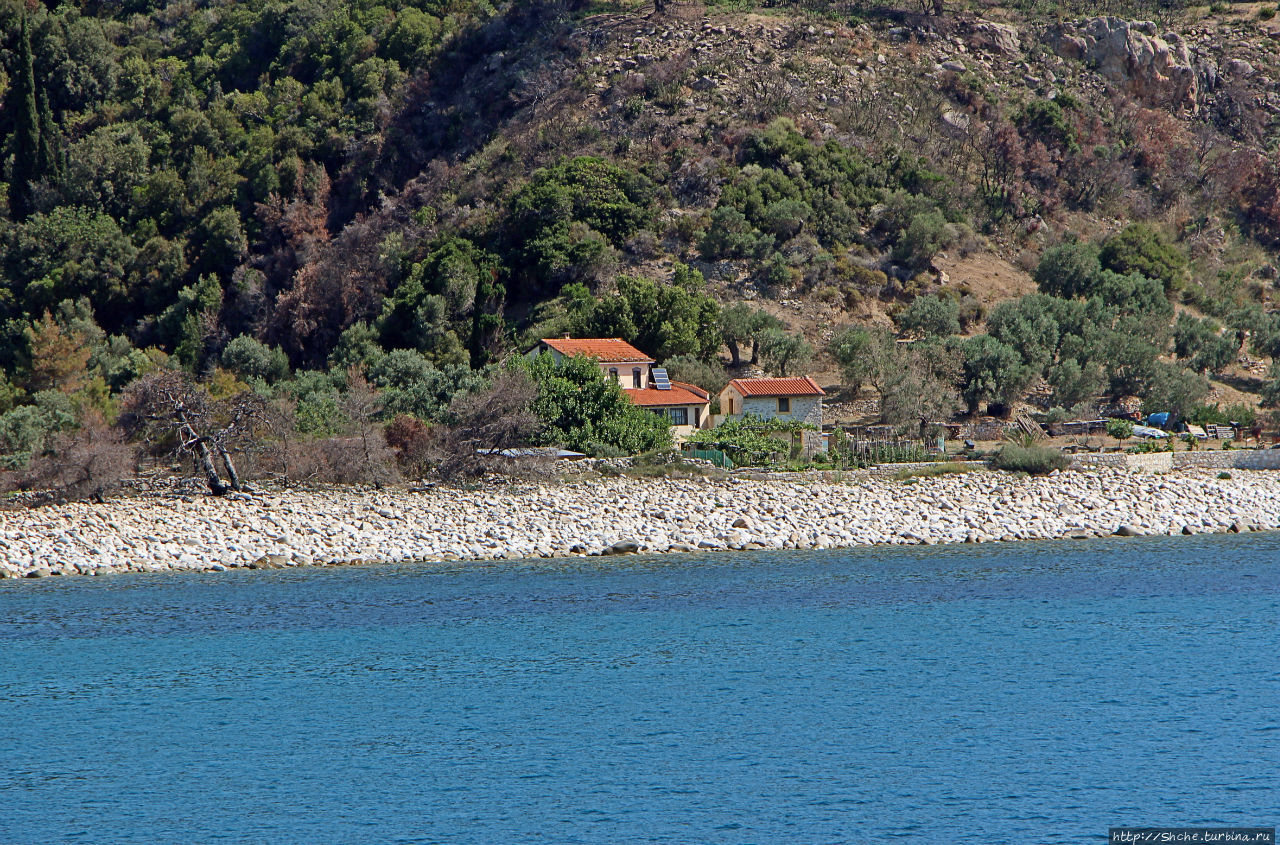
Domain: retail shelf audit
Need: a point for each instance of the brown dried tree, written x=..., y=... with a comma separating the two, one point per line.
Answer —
x=169, y=407
x=487, y=423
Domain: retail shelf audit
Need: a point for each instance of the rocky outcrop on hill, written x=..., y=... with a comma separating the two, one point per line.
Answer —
x=994, y=37
x=1154, y=69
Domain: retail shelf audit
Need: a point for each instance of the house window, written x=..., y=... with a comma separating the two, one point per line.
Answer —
x=697, y=418
x=635, y=378
x=613, y=373
x=679, y=416
x=784, y=404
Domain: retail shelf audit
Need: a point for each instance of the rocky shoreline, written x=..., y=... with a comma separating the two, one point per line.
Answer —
x=620, y=515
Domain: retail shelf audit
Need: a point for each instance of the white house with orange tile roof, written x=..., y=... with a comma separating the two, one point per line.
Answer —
x=773, y=398
x=686, y=406
x=621, y=361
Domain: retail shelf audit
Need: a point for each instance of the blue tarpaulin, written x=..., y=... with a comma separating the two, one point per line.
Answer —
x=1159, y=420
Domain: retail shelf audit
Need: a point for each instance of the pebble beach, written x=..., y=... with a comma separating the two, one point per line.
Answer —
x=174, y=533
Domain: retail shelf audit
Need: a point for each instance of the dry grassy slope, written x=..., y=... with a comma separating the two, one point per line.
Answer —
x=592, y=91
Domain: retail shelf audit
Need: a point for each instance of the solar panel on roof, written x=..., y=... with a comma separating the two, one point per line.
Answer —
x=660, y=379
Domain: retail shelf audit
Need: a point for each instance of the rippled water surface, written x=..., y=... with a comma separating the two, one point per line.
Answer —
x=1032, y=693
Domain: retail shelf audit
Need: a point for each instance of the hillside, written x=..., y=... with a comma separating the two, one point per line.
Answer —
x=268, y=195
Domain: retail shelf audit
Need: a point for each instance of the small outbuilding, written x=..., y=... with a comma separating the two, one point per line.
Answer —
x=797, y=398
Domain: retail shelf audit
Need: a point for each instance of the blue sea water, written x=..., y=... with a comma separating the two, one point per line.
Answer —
x=1025, y=693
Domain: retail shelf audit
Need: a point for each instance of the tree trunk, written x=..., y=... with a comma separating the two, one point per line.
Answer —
x=755, y=351
x=733, y=352
x=229, y=467
x=204, y=458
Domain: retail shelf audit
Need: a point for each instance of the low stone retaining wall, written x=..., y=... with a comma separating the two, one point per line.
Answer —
x=1228, y=459
x=1167, y=461
x=836, y=476
x=1150, y=461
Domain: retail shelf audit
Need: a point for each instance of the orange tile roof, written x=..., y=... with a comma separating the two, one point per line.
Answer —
x=692, y=388
x=679, y=394
x=606, y=349
x=802, y=386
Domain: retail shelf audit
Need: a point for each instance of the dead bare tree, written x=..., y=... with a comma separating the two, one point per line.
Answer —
x=170, y=407
x=87, y=463
x=487, y=424
x=363, y=405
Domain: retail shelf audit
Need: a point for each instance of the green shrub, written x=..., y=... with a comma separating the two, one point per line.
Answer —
x=1266, y=13
x=1157, y=444
x=250, y=358
x=931, y=316
x=1068, y=269
x=1224, y=476
x=945, y=468
x=926, y=235
x=1045, y=120
x=1138, y=248
x=1034, y=460
x=1056, y=414
x=731, y=235
x=1202, y=344
x=1119, y=429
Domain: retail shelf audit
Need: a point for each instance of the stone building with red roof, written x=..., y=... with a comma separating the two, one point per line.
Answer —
x=798, y=398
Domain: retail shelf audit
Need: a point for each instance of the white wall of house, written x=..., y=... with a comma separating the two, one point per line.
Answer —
x=695, y=416
x=630, y=374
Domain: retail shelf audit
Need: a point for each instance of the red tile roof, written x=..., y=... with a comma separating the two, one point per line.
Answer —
x=802, y=386
x=606, y=349
x=679, y=394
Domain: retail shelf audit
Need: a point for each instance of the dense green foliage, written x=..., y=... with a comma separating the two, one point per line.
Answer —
x=1107, y=337
x=930, y=316
x=309, y=201
x=790, y=191
x=749, y=441
x=564, y=221
x=1138, y=248
x=664, y=320
x=783, y=353
x=581, y=409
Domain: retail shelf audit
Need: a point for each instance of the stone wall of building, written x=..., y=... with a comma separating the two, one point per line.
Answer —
x=803, y=408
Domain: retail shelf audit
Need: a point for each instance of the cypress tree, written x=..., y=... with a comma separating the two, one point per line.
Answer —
x=26, y=133
x=48, y=158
